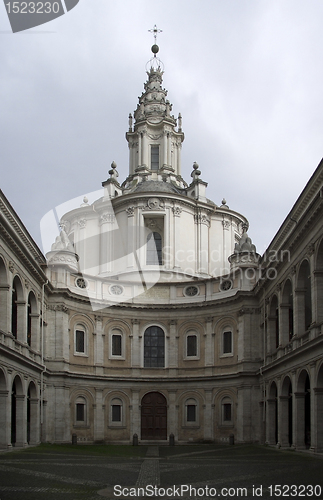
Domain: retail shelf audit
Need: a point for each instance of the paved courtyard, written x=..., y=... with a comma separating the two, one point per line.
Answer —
x=200, y=471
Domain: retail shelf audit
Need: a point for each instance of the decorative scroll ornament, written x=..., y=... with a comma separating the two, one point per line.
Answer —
x=130, y=211
x=82, y=223
x=177, y=211
x=110, y=218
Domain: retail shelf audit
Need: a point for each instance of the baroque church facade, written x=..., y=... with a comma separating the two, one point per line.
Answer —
x=153, y=315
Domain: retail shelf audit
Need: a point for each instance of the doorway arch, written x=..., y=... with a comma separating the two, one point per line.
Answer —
x=154, y=416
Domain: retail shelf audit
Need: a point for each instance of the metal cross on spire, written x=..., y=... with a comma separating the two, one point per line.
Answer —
x=155, y=31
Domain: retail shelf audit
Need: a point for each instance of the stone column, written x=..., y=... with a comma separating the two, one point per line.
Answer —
x=35, y=332
x=21, y=321
x=271, y=421
x=313, y=410
x=98, y=412
x=177, y=236
x=165, y=149
x=209, y=343
x=167, y=239
x=318, y=419
x=173, y=345
x=21, y=421
x=169, y=142
x=131, y=237
x=98, y=336
x=4, y=419
x=299, y=414
x=5, y=315
x=34, y=421
x=135, y=345
x=171, y=417
x=208, y=420
x=136, y=414
x=62, y=415
x=145, y=160
x=317, y=294
x=284, y=324
x=299, y=312
x=139, y=149
x=283, y=437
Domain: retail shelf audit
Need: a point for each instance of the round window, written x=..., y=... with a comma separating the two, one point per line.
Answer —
x=191, y=291
x=81, y=283
x=226, y=285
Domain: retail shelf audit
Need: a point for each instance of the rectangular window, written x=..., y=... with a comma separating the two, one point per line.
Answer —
x=154, y=157
x=227, y=412
x=227, y=342
x=116, y=413
x=116, y=345
x=80, y=412
x=191, y=413
x=191, y=344
x=80, y=341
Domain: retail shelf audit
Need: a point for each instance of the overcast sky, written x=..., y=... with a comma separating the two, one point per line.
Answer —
x=246, y=76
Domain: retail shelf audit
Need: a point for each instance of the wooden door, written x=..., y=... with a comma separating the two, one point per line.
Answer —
x=153, y=416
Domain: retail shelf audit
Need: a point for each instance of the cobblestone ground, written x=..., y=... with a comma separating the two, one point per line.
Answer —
x=240, y=471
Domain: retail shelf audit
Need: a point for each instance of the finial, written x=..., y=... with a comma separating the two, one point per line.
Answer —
x=113, y=172
x=180, y=122
x=130, y=122
x=195, y=174
x=155, y=31
x=155, y=63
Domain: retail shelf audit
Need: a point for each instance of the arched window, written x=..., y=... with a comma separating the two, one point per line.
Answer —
x=116, y=343
x=80, y=411
x=14, y=313
x=227, y=347
x=31, y=311
x=116, y=412
x=154, y=249
x=80, y=340
x=191, y=345
x=154, y=347
x=191, y=413
x=226, y=411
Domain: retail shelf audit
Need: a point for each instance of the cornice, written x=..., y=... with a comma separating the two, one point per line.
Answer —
x=22, y=254
x=11, y=219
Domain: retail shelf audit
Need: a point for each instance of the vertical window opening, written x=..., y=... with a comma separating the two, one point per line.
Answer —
x=154, y=157
x=227, y=342
x=191, y=345
x=154, y=249
x=154, y=347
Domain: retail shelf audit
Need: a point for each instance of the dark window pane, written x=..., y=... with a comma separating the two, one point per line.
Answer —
x=79, y=341
x=191, y=413
x=80, y=412
x=154, y=157
x=227, y=342
x=154, y=347
x=116, y=413
x=154, y=249
x=191, y=345
x=116, y=345
x=227, y=412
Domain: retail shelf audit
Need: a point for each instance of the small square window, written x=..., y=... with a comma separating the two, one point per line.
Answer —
x=191, y=413
x=80, y=341
x=191, y=345
x=116, y=345
x=227, y=342
x=116, y=413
